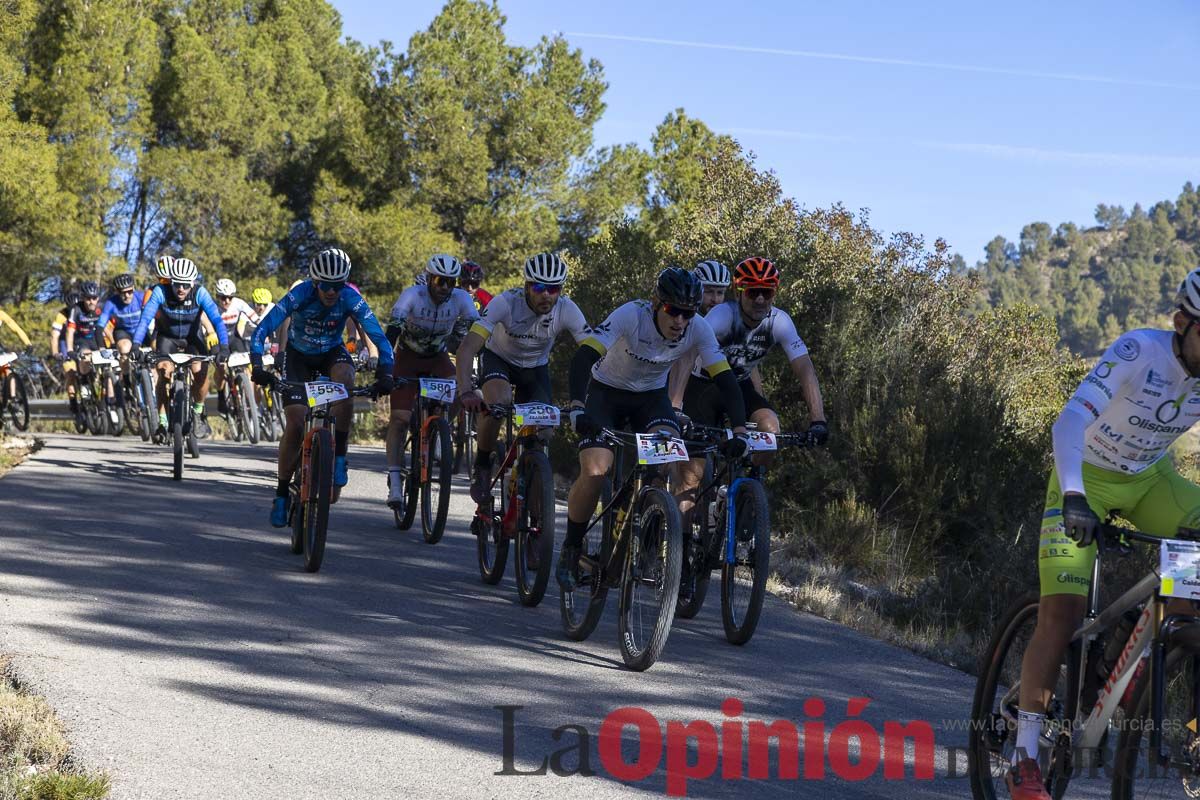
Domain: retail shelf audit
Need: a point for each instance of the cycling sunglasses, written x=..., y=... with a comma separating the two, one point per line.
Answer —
x=546, y=288
x=127, y=291
x=224, y=297
x=471, y=285
x=677, y=311
x=178, y=285
x=331, y=286
x=758, y=292
x=442, y=280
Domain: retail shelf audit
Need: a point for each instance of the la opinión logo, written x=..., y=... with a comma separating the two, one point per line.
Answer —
x=739, y=749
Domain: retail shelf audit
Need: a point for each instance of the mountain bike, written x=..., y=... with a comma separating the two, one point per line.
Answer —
x=311, y=488
x=98, y=400
x=39, y=381
x=180, y=416
x=242, y=411
x=638, y=550
x=141, y=405
x=525, y=512
x=739, y=543
x=14, y=399
x=1103, y=682
x=270, y=410
x=431, y=463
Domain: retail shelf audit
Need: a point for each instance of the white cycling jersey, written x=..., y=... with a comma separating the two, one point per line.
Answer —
x=744, y=347
x=644, y=356
x=425, y=326
x=238, y=308
x=522, y=337
x=1135, y=402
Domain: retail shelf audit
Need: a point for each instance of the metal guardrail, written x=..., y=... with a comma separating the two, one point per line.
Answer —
x=60, y=409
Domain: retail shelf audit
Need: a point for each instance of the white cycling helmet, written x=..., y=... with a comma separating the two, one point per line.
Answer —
x=712, y=273
x=545, y=268
x=421, y=281
x=1188, y=297
x=331, y=265
x=163, y=266
x=443, y=265
x=226, y=288
x=183, y=270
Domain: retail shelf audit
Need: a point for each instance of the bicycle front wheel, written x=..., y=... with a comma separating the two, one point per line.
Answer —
x=435, y=492
x=18, y=403
x=147, y=402
x=650, y=583
x=535, y=530
x=248, y=407
x=993, y=730
x=316, y=510
x=744, y=580
x=491, y=546
x=178, y=412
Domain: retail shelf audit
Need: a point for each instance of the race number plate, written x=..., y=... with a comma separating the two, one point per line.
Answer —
x=1179, y=566
x=321, y=393
x=239, y=359
x=538, y=414
x=438, y=389
x=268, y=359
x=653, y=449
x=7, y=358
x=761, y=442
x=103, y=356
x=181, y=358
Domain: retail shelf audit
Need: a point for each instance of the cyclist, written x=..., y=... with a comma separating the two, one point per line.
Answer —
x=472, y=277
x=237, y=316
x=747, y=327
x=626, y=384
x=179, y=308
x=1110, y=452
x=83, y=329
x=58, y=349
x=423, y=319
x=123, y=308
x=714, y=277
x=516, y=331
x=317, y=310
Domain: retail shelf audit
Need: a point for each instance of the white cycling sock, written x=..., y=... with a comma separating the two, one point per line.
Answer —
x=1029, y=731
x=394, y=474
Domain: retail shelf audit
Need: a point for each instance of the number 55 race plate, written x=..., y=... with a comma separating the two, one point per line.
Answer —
x=322, y=393
x=652, y=449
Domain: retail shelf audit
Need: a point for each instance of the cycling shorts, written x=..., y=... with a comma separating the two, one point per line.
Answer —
x=615, y=409
x=530, y=384
x=299, y=366
x=410, y=365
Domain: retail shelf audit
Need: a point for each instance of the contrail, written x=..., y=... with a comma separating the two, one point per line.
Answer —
x=1181, y=163
x=898, y=62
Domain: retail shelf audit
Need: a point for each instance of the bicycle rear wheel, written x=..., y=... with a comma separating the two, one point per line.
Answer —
x=316, y=511
x=582, y=607
x=178, y=411
x=1135, y=773
x=697, y=537
x=491, y=546
x=650, y=583
x=296, y=507
x=744, y=581
x=535, y=529
x=435, y=492
x=408, y=511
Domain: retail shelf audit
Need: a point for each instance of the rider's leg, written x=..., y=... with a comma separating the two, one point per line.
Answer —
x=1065, y=571
x=343, y=372
x=289, y=445
x=497, y=391
x=766, y=420
x=594, y=463
x=687, y=476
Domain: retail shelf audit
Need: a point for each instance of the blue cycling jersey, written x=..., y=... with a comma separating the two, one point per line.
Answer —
x=317, y=328
x=127, y=315
x=180, y=319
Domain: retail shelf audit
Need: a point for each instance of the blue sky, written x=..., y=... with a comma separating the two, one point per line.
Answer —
x=945, y=119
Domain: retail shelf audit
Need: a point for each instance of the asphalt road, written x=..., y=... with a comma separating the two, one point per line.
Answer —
x=191, y=656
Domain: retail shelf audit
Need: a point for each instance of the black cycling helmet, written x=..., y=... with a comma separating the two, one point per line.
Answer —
x=679, y=287
x=471, y=272
x=122, y=282
x=90, y=289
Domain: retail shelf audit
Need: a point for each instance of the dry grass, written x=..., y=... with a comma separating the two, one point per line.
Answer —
x=35, y=759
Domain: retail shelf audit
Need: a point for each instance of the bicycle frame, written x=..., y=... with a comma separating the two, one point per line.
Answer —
x=527, y=437
x=1151, y=631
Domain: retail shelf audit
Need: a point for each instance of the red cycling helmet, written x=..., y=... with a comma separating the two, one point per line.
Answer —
x=756, y=273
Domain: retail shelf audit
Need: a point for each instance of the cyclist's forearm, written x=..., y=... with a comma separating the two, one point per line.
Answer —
x=735, y=406
x=1067, y=435
x=464, y=359
x=581, y=370
x=803, y=369
x=677, y=382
